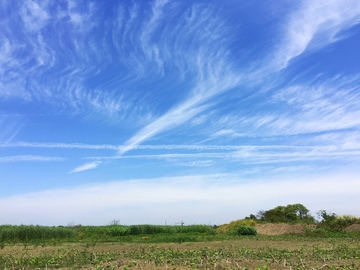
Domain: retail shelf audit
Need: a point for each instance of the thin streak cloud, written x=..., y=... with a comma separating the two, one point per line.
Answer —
x=25, y=158
x=85, y=167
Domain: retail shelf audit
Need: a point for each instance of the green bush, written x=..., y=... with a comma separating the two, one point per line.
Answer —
x=246, y=230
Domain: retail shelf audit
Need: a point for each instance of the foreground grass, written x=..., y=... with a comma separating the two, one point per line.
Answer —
x=282, y=252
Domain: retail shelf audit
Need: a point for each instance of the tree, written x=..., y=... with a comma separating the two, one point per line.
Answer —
x=328, y=221
x=292, y=213
x=260, y=215
x=325, y=216
x=252, y=216
x=115, y=222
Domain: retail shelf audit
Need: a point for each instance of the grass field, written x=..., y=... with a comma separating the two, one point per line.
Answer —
x=193, y=247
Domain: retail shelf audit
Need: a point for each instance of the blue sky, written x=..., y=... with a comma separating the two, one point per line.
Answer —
x=160, y=111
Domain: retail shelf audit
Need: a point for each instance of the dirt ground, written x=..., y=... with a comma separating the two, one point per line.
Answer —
x=282, y=228
x=353, y=228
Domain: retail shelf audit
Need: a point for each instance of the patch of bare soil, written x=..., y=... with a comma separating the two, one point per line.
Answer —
x=281, y=228
x=353, y=228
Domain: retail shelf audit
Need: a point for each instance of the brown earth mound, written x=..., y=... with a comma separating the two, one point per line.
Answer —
x=353, y=228
x=281, y=228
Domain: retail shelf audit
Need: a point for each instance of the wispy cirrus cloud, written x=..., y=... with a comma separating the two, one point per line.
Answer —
x=192, y=147
x=313, y=25
x=144, y=146
x=322, y=106
x=10, y=126
x=212, y=72
x=80, y=49
x=24, y=158
x=85, y=167
x=34, y=15
x=302, y=106
x=60, y=145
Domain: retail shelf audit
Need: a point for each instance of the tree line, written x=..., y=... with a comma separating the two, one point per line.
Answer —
x=298, y=213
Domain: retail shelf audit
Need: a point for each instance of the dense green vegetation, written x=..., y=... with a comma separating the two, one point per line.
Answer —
x=292, y=213
x=31, y=233
x=298, y=213
x=24, y=233
x=246, y=230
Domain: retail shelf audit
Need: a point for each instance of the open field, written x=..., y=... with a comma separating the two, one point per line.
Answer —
x=261, y=252
x=275, y=246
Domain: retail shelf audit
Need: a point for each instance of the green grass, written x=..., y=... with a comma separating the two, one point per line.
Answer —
x=23, y=233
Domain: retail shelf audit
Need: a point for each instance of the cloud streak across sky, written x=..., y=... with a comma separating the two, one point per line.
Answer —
x=103, y=92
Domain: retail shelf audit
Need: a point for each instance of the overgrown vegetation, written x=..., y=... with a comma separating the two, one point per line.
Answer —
x=234, y=225
x=292, y=213
x=334, y=223
x=23, y=233
x=298, y=213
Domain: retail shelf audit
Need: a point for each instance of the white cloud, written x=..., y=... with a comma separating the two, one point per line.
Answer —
x=85, y=167
x=186, y=110
x=199, y=199
x=143, y=147
x=320, y=104
x=34, y=16
x=22, y=158
x=320, y=148
x=325, y=106
x=315, y=25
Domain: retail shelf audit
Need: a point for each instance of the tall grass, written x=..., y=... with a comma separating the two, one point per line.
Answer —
x=122, y=230
x=25, y=233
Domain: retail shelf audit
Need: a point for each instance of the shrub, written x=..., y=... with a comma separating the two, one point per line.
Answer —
x=333, y=223
x=246, y=230
x=233, y=225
